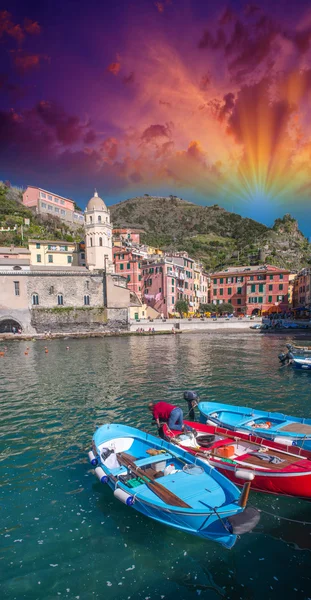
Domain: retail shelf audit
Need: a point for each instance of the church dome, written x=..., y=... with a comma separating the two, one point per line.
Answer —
x=96, y=203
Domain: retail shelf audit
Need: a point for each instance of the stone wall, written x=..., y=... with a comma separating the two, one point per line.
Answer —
x=73, y=286
x=71, y=317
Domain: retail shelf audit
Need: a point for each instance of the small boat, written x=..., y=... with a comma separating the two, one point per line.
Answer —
x=274, y=426
x=297, y=356
x=273, y=471
x=169, y=485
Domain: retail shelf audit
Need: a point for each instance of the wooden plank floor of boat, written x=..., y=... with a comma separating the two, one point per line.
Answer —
x=252, y=459
x=297, y=427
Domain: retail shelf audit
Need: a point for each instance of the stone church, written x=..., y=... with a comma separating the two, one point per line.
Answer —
x=37, y=299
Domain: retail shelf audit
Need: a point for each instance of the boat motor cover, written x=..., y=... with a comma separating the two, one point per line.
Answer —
x=190, y=396
x=244, y=521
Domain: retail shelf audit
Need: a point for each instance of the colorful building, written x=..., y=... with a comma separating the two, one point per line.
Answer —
x=251, y=290
x=124, y=235
x=303, y=289
x=128, y=262
x=50, y=203
x=54, y=253
x=171, y=278
x=13, y=253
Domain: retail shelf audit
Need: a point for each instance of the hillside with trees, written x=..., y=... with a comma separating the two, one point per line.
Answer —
x=14, y=216
x=212, y=234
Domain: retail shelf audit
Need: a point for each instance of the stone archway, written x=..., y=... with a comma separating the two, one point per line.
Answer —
x=8, y=323
x=256, y=312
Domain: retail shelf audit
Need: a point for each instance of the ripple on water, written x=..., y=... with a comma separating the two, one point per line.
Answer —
x=63, y=534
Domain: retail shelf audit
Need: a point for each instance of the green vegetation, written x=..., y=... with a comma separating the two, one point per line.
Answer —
x=212, y=235
x=181, y=307
x=13, y=214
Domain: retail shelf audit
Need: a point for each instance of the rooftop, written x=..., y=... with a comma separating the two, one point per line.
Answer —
x=13, y=250
x=251, y=269
x=35, y=187
x=18, y=262
x=55, y=242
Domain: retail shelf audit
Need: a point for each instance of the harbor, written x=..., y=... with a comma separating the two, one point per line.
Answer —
x=63, y=532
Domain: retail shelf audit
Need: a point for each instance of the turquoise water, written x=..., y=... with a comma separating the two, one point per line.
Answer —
x=63, y=535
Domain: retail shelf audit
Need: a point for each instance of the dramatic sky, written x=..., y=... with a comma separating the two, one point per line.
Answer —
x=202, y=99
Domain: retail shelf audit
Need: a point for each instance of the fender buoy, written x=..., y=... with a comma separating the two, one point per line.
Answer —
x=124, y=497
x=101, y=475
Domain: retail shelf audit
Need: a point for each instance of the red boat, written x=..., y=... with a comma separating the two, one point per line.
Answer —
x=271, y=467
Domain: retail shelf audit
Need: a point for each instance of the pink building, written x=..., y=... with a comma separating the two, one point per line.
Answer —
x=251, y=290
x=168, y=279
x=128, y=262
x=122, y=235
x=49, y=203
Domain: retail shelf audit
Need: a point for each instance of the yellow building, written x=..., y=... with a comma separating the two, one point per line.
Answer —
x=53, y=253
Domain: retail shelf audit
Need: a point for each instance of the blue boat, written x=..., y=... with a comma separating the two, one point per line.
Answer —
x=169, y=485
x=297, y=356
x=291, y=431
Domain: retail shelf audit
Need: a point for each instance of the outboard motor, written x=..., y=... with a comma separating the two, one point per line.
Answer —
x=192, y=401
x=283, y=358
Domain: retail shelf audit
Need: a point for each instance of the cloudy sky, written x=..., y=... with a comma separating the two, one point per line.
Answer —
x=206, y=100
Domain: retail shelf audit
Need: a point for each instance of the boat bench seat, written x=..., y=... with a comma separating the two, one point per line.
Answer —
x=142, y=462
x=149, y=460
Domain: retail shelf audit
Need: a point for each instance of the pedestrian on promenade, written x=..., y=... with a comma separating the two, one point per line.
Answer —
x=167, y=413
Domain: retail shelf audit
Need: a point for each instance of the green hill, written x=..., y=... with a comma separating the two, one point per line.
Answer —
x=13, y=214
x=213, y=235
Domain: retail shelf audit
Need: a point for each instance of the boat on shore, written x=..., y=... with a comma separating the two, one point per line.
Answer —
x=275, y=426
x=169, y=485
x=271, y=469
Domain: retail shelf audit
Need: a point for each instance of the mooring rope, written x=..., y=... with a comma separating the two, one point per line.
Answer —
x=283, y=518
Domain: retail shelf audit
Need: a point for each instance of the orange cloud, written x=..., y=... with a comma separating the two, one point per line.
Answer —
x=160, y=6
x=25, y=62
x=114, y=68
x=32, y=27
x=7, y=26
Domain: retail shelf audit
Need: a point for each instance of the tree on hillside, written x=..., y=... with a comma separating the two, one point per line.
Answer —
x=181, y=307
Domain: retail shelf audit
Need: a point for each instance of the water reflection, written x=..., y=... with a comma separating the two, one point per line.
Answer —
x=61, y=528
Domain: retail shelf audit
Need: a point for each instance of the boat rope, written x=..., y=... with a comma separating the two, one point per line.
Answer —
x=283, y=518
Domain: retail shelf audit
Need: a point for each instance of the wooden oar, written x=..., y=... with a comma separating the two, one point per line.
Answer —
x=162, y=492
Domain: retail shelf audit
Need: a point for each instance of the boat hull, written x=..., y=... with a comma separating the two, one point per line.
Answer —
x=293, y=482
x=207, y=515
x=274, y=426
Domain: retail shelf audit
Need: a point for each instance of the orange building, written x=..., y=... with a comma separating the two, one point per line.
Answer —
x=251, y=290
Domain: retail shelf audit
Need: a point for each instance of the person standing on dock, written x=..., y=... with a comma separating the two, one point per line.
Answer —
x=168, y=413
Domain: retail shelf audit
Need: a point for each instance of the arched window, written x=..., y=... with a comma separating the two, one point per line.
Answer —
x=91, y=219
x=100, y=241
x=99, y=218
x=35, y=299
x=60, y=299
x=91, y=241
x=86, y=300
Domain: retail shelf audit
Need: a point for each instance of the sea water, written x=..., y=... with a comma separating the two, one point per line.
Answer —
x=64, y=535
